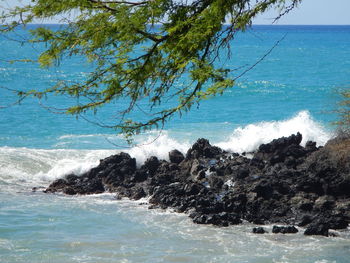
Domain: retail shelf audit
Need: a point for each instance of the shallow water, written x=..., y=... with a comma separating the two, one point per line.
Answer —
x=52, y=228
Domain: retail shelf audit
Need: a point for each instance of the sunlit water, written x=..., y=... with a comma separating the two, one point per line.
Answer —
x=292, y=90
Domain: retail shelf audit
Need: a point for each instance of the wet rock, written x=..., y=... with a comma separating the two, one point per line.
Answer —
x=283, y=183
x=284, y=229
x=302, y=202
x=221, y=219
x=56, y=186
x=310, y=146
x=259, y=230
x=69, y=191
x=263, y=189
x=202, y=148
x=192, y=189
x=215, y=182
x=121, y=162
x=338, y=222
x=80, y=185
x=317, y=228
x=140, y=175
x=280, y=144
x=151, y=164
x=176, y=156
x=242, y=172
x=305, y=220
x=138, y=193
x=196, y=167
x=324, y=202
x=279, y=149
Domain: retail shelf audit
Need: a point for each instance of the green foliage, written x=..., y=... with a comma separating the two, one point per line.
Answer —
x=134, y=58
x=343, y=111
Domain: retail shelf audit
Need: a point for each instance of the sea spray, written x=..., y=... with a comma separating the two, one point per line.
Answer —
x=38, y=166
x=248, y=138
x=157, y=146
x=33, y=167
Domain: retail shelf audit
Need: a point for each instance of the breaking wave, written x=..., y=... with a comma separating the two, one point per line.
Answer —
x=248, y=138
x=25, y=166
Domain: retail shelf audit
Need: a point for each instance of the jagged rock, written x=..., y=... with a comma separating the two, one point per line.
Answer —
x=317, y=228
x=281, y=149
x=78, y=185
x=259, y=230
x=284, y=229
x=324, y=202
x=220, y=219
x=280, y=144
x=141, y=175
x=151, y=164
x=283, y=183
x=56, y=186
x=196, y=167
x=138, y=193
x=202, y=148
x=176, y=156
x=310, y=146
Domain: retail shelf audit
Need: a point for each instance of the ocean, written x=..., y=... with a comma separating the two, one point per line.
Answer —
x=294, y=89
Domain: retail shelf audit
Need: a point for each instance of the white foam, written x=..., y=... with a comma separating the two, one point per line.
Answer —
x=35, y=166
x=248, y=138
x=157, y=145
x=24, y=166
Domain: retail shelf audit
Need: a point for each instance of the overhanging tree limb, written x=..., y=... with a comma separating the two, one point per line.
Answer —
x=140, y=51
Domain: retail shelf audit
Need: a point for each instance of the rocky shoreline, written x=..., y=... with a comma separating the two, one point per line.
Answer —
x=281, y=183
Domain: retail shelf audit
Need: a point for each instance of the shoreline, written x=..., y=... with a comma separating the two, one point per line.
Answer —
x=283, y=183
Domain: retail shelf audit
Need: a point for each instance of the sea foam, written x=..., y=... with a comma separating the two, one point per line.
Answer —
x=248, y=138
x=32, y=167
x=27, y=166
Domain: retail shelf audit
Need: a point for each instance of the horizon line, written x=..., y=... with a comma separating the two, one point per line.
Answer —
x=224, y=24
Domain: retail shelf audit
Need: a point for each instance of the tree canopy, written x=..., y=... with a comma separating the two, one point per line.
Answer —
x=343, y=111
x=140, y=50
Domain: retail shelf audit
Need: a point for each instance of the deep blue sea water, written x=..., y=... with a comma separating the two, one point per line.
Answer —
x=293, y=89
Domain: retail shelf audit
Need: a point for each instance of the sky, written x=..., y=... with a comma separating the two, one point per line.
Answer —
x=313, y=12
x=309, y=12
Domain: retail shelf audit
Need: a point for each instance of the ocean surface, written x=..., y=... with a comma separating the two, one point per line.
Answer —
x=293, y=89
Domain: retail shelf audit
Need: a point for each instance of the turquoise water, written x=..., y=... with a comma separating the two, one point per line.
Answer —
x=292, y=89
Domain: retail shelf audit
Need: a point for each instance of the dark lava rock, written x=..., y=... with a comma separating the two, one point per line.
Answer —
x=138, y=193
x=280, y=144
x=78, y=186
x=284, y=183
x=202, y=148
x=282, y=149
x=141, y=175
x=152, y=164
x=221, y=219
x=259, y=230
x=284, y=229
x=176, y=156
x=317, y=228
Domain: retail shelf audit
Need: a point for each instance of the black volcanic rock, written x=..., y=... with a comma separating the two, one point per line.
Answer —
x=317, y=228
x=151, y=164
x=284, y=183
x=176, y=156
x=259, y=230
x=284, y=229
x=202, y=148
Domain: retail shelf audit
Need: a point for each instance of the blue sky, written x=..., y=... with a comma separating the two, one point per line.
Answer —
x=313, y=12
x=310, y=12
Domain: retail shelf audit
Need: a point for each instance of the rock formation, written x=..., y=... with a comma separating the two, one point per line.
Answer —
x=283, y=182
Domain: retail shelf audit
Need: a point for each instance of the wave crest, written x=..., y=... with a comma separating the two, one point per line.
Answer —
x=248, y=138
x=32, y=167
